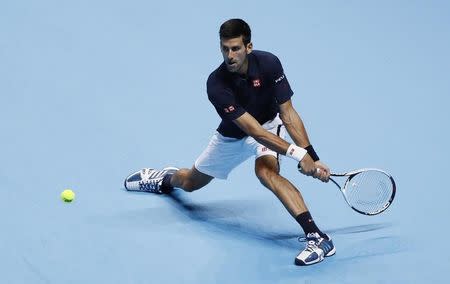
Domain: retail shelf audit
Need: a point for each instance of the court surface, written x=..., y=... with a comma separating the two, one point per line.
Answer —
x=93, y=90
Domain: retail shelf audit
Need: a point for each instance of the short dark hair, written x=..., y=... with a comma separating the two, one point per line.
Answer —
x=235, y=28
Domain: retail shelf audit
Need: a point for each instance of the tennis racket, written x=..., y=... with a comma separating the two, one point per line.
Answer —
x=367, y=191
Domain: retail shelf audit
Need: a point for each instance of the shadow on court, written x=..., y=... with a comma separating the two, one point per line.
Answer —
x=225, y=219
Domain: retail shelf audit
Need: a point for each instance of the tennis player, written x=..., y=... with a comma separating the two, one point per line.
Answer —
x=251, y=94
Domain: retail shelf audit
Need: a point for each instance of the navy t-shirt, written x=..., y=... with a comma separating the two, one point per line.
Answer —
x=259, y=93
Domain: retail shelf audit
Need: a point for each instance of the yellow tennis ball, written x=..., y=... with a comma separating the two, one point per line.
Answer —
x=67, y=195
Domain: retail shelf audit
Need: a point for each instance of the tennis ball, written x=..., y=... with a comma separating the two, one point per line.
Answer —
x=67, y=195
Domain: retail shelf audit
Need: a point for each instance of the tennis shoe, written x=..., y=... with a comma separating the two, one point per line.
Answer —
x=316, y=250
x=148, y=180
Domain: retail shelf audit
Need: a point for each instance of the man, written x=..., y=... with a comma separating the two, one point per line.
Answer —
x=251, y=94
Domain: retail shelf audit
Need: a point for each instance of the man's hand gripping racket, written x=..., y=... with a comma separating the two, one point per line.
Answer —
x=367, y=191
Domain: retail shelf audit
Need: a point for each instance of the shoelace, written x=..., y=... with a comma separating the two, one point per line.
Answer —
x=309, y=237
x=152, y=185
x=312, y=242
x=311, y=246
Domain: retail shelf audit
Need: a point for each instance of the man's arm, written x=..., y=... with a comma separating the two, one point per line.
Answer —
x=296, y=129
x=251, y=127
x=294, y=124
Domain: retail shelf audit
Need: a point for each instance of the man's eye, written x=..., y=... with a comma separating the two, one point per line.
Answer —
x=235, y=48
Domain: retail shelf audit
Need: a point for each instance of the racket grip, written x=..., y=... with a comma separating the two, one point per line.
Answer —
x=300, y=168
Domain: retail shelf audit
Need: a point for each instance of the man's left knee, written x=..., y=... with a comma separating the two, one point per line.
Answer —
x=266, y=175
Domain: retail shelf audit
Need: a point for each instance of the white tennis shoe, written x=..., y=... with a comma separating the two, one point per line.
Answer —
x=148, y=180
x=316, y=250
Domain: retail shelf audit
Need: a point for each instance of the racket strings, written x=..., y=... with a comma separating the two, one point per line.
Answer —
x=369, y=191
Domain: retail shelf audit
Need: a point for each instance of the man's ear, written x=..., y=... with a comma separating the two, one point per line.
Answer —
x=249, y=47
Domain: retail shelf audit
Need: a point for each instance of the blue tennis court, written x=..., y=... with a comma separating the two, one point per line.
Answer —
x=93, y=90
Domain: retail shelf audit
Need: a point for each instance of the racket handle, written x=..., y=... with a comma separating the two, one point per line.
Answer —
x=299, y=168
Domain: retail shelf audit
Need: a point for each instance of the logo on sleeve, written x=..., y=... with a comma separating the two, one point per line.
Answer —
x=229, y=109
x=256, y=83
x=279, y=79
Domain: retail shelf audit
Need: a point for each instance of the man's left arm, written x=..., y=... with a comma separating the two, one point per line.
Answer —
x=296, y=129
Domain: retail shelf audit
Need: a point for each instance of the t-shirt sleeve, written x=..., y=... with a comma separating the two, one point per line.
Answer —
x=223, y=100
x=282, y=89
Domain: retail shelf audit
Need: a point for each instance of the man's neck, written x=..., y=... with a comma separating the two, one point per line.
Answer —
x=244, y=68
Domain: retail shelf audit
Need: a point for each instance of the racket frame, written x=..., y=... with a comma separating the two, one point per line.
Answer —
x=350, y=175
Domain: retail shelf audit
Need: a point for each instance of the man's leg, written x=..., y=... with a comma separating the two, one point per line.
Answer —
x=267, y=171
x=189, y=179
x=219, y=158
x=319, y=244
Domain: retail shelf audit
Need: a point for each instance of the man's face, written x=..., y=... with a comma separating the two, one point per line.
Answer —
x=234, y=54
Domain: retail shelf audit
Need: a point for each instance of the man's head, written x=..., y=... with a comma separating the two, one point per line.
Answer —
x=235, y=44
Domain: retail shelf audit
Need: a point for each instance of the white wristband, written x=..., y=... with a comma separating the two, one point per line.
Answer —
x=295, y=152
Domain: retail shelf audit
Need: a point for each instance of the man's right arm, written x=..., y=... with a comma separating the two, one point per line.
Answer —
x=251, y=127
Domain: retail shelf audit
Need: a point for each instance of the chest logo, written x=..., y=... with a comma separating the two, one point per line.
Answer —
x=256, y=83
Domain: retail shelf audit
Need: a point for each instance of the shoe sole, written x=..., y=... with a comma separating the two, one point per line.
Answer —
x=301, y=263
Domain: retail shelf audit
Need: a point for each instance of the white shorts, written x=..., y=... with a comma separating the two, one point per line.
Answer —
x=223, y=154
